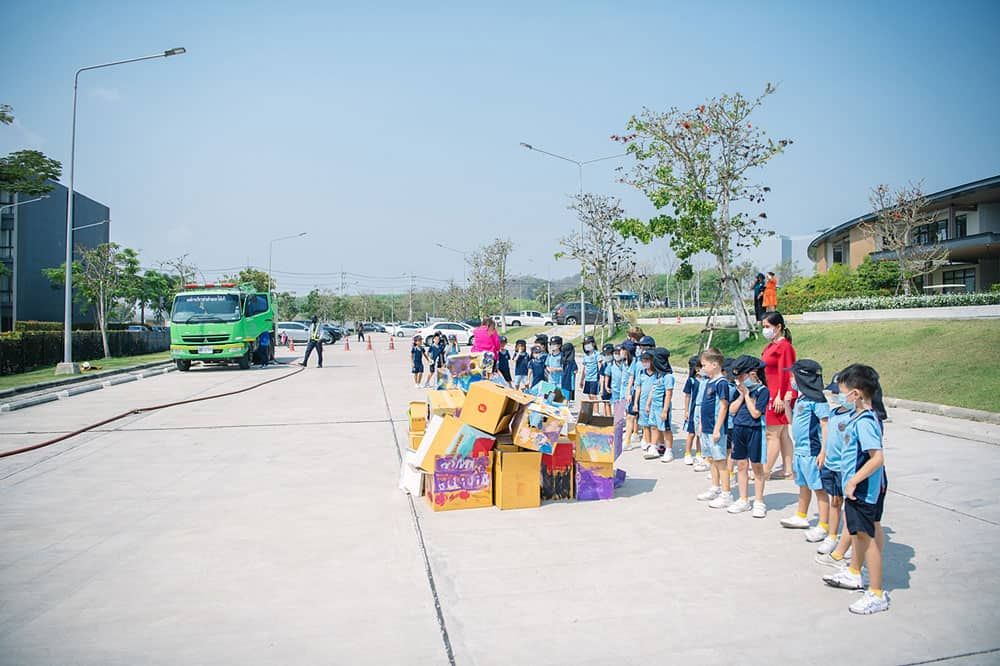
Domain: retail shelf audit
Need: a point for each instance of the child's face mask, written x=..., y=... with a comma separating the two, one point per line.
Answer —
x=617, y=356
x=553, y=350
x=647, y=366
x=588, y=348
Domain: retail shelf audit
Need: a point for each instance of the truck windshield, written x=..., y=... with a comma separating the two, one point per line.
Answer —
x=203, y=308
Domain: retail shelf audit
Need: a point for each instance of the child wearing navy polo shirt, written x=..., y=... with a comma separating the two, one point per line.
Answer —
x=714, y=417
x=749, y=440
x=809, y=425
x=520, y=361
x=433, y=350
x=690, y=390
x=567, y=354
x=862, y=474
x=589, y=385
x=417, y=355
x=536, y=367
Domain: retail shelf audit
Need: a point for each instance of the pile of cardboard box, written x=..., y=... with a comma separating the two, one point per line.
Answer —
x=489, y=445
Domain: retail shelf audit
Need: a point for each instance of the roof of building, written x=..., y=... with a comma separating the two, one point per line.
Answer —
x=979, y=191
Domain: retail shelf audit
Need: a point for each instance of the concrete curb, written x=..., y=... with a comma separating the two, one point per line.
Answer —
x=945, y=410
x=55, y=383
x=118, y=378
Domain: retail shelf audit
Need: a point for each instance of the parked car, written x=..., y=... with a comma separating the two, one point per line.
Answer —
x=526, y=318
x=372, y=327
x=461, y=331
x=569, y=313
x=331, y=333
x=296, y=331
x=137, y=328
x=472, y=322
x=406, y=330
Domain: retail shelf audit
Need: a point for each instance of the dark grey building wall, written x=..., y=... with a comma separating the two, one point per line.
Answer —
x=41, y=243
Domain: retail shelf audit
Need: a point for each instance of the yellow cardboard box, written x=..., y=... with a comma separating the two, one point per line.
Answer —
x=446, y=435
x=418, y=416
x=448, y=401
x=516, y=479
x=594, y=436
x=538, y=426
x=490, y=407
x=460, y=482
x=415, y=439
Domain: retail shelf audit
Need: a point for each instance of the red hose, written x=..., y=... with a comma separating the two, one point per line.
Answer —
x=140, y=410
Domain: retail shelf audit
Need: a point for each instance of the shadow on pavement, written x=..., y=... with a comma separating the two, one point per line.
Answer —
x=780, y=501
x=635, y=487
x=897, y=562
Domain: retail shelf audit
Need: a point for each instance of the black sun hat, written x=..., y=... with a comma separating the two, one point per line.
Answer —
x=808, y=378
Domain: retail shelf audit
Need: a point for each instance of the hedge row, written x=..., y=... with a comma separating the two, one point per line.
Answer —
x=903, y=302
x=24, y=351
x=58, y=326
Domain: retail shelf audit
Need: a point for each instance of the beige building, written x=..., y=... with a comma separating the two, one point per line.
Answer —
x=966, y=222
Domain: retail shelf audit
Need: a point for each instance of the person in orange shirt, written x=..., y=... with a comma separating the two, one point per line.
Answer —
x=771, y=293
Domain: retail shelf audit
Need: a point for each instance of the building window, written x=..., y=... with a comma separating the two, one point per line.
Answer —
x=961, y=226
x=966, y=276
x=6, y=243
x=922, y=235
x=918, y=282
x=942, y=230
x=838, y=253
x=5, y=289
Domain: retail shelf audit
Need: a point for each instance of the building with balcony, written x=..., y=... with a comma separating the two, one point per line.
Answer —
x=32, y=238
x=965, y=221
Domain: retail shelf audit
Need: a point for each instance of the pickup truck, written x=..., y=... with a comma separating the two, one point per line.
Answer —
x=525, y=318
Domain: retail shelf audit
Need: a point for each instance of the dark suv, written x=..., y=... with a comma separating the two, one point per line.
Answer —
x=569, y=313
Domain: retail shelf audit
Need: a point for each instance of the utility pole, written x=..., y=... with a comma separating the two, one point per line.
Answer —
x=341, y=280
x=411, y=298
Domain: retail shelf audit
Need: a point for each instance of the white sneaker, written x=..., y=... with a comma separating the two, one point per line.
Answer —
x=870, y=603
x=668, y=456
x=795, y=522
x=651, y=452
x=710, y=494
x=698, y=460
x=759, y=510
x=636, y=439
x=814, y=534
x=739, y=506
x=827, y=561
x=827, y=545
x=700, y=466
x=844, y=579
x=688, y=460
x=722, y=501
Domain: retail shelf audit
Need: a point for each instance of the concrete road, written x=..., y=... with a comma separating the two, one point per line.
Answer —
x=266, y=528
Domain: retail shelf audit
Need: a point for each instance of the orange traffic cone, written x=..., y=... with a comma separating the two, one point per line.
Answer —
x=370, y=343
x=392, y=343
x=347, y=343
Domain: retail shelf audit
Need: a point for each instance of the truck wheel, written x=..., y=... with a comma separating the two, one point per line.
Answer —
x=183, y=364
x=516, y=323
x=245, y=361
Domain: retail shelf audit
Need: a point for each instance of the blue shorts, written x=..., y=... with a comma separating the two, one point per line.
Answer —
x=520, y=380
x=862, y=516
x=591, y=388
x=713, y=450
x=749, y=443
x=606, y=395
x=806, y=472
x=631, y=401
x=652, y=419
x=831, y=482
x=417, y=369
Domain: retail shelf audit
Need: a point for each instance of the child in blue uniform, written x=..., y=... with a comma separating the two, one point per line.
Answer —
x=809, y=423
x=503, y=360
x=749, y=441
x=661, y=365
x=714, y=413
x=862, y=476
x=830, y=551
x=649, y=397
x=433, y=350
x=690, y=389
x=589, y=385
x=629, y=362
x=569, y=367
x=536, y=367
x=607, y=360
x=553, y=362
x=520, y=360
x=417, y=355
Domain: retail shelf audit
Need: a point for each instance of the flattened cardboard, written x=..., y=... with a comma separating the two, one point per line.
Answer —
x=418, y=416
x=516, y=482
x=446, y=435
x=411, y=479
x=595, y=436
x=442, y=403
x=460, y=482
x=491, y=408
x=538, y=426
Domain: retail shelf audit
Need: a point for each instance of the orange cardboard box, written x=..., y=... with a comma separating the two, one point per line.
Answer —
x=418, y=417
x=490, y=407
x=442, y=403
x=516, y=479
x=446, y=435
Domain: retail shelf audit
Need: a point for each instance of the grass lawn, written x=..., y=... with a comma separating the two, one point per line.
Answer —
x=48, y=372
x=526, y=333
x=947, y=362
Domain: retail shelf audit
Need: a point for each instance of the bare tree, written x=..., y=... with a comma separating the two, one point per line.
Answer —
x=184, y=269
x=498, y=253
x=897, y=216
x=482, y=282
x=606, y=258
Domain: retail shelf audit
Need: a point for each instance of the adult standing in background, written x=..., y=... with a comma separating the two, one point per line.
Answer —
x=779, y=357
x=315, y=342
x=360, y=326
x=771, y=293
x=758, y=297
x=485, y=339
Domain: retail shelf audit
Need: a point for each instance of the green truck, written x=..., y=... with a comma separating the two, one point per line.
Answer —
x=220, y=324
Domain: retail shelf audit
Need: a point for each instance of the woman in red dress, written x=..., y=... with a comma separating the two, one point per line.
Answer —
x=778, y=357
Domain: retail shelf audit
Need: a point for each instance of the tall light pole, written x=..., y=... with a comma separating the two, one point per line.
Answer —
x=21, y=203
x=270, y=252
x=67, y=367
x=579, y=167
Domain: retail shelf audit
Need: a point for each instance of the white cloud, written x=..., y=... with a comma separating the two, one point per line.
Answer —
x=106, y=94
x=30, y=138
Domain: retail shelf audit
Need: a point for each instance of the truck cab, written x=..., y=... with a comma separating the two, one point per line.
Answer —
x=219, y=324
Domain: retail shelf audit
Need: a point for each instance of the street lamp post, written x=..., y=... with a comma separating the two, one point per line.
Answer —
x=67, y=367
x=21, y=203
x=270, y=252
x=579, y=167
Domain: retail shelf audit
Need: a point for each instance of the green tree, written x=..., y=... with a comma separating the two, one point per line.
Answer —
x=100, y=280
x=28, y=172
x=6, y=114
x=286, y=305
x=259, y=279
x=696, y=165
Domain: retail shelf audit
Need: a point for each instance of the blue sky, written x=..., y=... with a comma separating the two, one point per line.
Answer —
x=381, y=132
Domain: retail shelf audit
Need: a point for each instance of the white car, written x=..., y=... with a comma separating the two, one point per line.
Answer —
x=295, y=331
x=403, y=330
x=462, y=332
x=526, y=318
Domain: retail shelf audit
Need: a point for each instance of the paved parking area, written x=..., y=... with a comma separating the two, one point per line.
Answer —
x=267, y=528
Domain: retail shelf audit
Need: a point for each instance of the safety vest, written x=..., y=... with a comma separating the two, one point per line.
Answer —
x=314, y=331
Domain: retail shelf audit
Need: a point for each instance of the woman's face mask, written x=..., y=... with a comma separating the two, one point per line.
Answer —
x=769, y=333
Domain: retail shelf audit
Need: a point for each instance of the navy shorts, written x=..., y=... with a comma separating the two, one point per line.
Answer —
x=629, y=407
x=591, y=388
x=831, y=482
x=862, y=516
x=606, y=395
x=417, y=369
x=748, y=443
